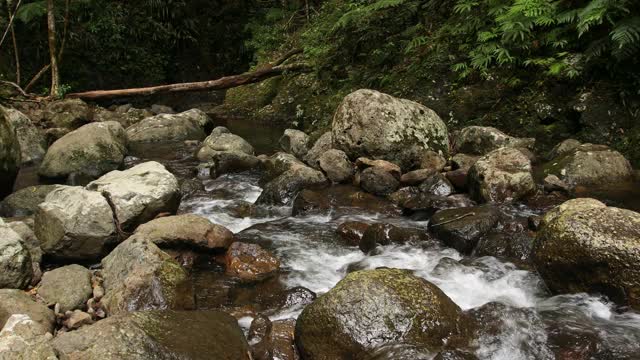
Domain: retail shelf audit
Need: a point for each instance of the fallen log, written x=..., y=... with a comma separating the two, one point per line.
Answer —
x=218, y=84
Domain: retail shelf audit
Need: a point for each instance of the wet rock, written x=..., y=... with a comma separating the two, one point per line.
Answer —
x=370, y=123
x=336, y=165
x=463, y=161
x=553, y=183
x=225, y=162
x=429, y=204
x=22, y=338
x=68, y=113
x=189, y=230
x=462, y=228
x=437, y=184
x=279, y=163
x=159, y=334
x=33, y=144
x=140, y=193
x=283, y=189
x=563, y=148
x=340, y=199
x=9, y=153
x=363, y=163
x=351, y=232
x=590, y=165
x=400, y=351
x=502, y=175
x=18, y=302
x=343, y=323
x=378, y=181
x=534, y=222
x=226, y=142
x=188, y=125
x=63, y=236
x=24, y=202
x=140, y=276
x=584, y=246
x=458, y=178
x=295, y=142
x=416, y=177
x=259, y=338
x=431, y=160
x=250, y=262
x=514, y=247
x=455, y=355
x=403, y=195
x=16, y=268
x=77, y=319
x=322, y=145
x=92, y=150
x=69, y=286
x=386, y=234
x=481, y=140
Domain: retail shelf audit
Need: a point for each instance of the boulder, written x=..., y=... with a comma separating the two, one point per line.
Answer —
x=437, y=184
x=351, y=232
x=25, y=201
x=416, y=177
x=337, y=166
x=589, y=165
x=139, y=276
x=563, y=148
x=284, y=188
x=273, y=340
x=19, y=302
x=393, y=169
x=429, y=204
x=295, y=142
x=126, y=118
x=188, y=125
x=224, y=162
x=503, y=175
x=372, y=308
x=23, y=339
x=250, y=262
x=32, y=244
x=189, y=230
x=378, y=181
x=92, y=150
x=463, y=161
x=75, y=224
x=585, y=246
x=33, y=144
x=16, y=268
x=69, y=286
x=228, y=142
x=462, y=228
x=386, y=234
x=158, y=334
x=276, y=164
x=340, y=199
x=481, y=140
x=140, y=193
x=377, y=125
x=322, y=145
x=9, y=153
x=67, y=113
x=431, y=160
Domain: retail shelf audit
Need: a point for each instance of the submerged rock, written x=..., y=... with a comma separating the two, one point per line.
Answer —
x=370, y=123
x=75, y=224
x=69, y=286
x=250, y=262
x=480, y=140
x=140, y=193
x=386, y=234
x=140, y=276
x=188, y=125
x=295, y=142
x=462, y=228
x=372, y=308
x=9, y=154
x=159, y=334
x=503, y=175
x=585, y=246
x=92, y=150
x=187, y=230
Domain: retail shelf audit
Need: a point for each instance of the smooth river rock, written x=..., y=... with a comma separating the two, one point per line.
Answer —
x=188, y=230
x=69, y=286
x=503, y=175
x=188, y=125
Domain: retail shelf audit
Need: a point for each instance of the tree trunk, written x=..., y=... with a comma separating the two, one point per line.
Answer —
x=16, y=54
x=51, y=30
x=218, y=84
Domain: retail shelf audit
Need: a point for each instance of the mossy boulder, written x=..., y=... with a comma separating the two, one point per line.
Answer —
x=67, y=113
x=503, y=175
x=188, y=230
x=188, y=125
x=372, y=124
x=92, y=150
x=9, y=153
x=33, y=144
x=462, y=228
x=585, y=246
x=480, y=140
x=372, y=308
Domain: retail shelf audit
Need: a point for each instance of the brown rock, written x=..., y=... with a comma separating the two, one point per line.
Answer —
x=416, y=177
x=351, y=232
x=393, y=169
x=187, y=230
x=250, y=262
x=77, y=319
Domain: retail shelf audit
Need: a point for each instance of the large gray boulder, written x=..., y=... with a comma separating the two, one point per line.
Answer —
x=188, y=125
x=480, y=140
x=186, y=231
x=23, y=339
x=585, y=246
x=462, y=228
x=284, y=188
x=75, y=224
x=503, y=175
x=126, y=118
x=589, y=165
x=322, y=145
x=25, y=201
x=140, y=193
x=68, y=113
x=92, y=150
x=295, y=142
x=69, y=286
x=9, y=154
x=14, y=301
x=372, y=308
x=15, y=261
x=139, y=276
x=33, y=144
x=372, y=124
x=158, y=335
x=336, y=164
x=223, y=142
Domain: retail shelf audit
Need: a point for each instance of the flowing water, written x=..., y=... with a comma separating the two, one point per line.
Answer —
x=531, y=324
